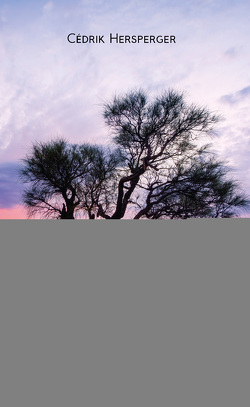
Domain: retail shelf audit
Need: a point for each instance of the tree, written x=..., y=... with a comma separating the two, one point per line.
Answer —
x=63, y=178
x=167, y=172
x=159, y=166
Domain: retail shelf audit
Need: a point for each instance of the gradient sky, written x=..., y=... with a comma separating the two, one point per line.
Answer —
x=51, y=88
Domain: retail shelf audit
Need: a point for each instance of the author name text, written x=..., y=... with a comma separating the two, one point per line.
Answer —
x=121, y=39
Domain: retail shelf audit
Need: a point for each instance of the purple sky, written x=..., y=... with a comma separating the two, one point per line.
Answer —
x=51, y=88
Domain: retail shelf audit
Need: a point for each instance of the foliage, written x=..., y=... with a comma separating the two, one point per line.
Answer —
x=63, y=178
x=161, y=167
x=172, y=171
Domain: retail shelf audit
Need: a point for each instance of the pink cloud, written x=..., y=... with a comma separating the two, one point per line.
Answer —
x=17, y=212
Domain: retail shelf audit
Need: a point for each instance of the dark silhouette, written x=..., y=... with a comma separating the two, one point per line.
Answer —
x=161, y=168
x=63, y=178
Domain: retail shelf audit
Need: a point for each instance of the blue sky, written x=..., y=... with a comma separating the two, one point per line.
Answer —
x=51, y=88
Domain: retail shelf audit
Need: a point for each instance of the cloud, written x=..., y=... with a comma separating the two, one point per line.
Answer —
x=231, y=52
x=236, y=97
x=48, y=6
x=16, y=212
x=10, y=188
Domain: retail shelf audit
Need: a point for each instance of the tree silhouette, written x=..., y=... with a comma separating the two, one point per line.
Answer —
x=159, y=166
x=168, y=172
x=63, y=178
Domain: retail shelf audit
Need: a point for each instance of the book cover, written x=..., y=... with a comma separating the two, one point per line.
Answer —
x=62, y=61
x=124, y=313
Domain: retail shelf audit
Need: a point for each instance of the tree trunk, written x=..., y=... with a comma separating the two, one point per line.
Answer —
x=67, y=213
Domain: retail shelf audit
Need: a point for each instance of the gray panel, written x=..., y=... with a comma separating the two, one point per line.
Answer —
x=124, y=313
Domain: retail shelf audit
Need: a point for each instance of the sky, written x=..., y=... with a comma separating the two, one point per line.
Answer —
x=50, y=87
